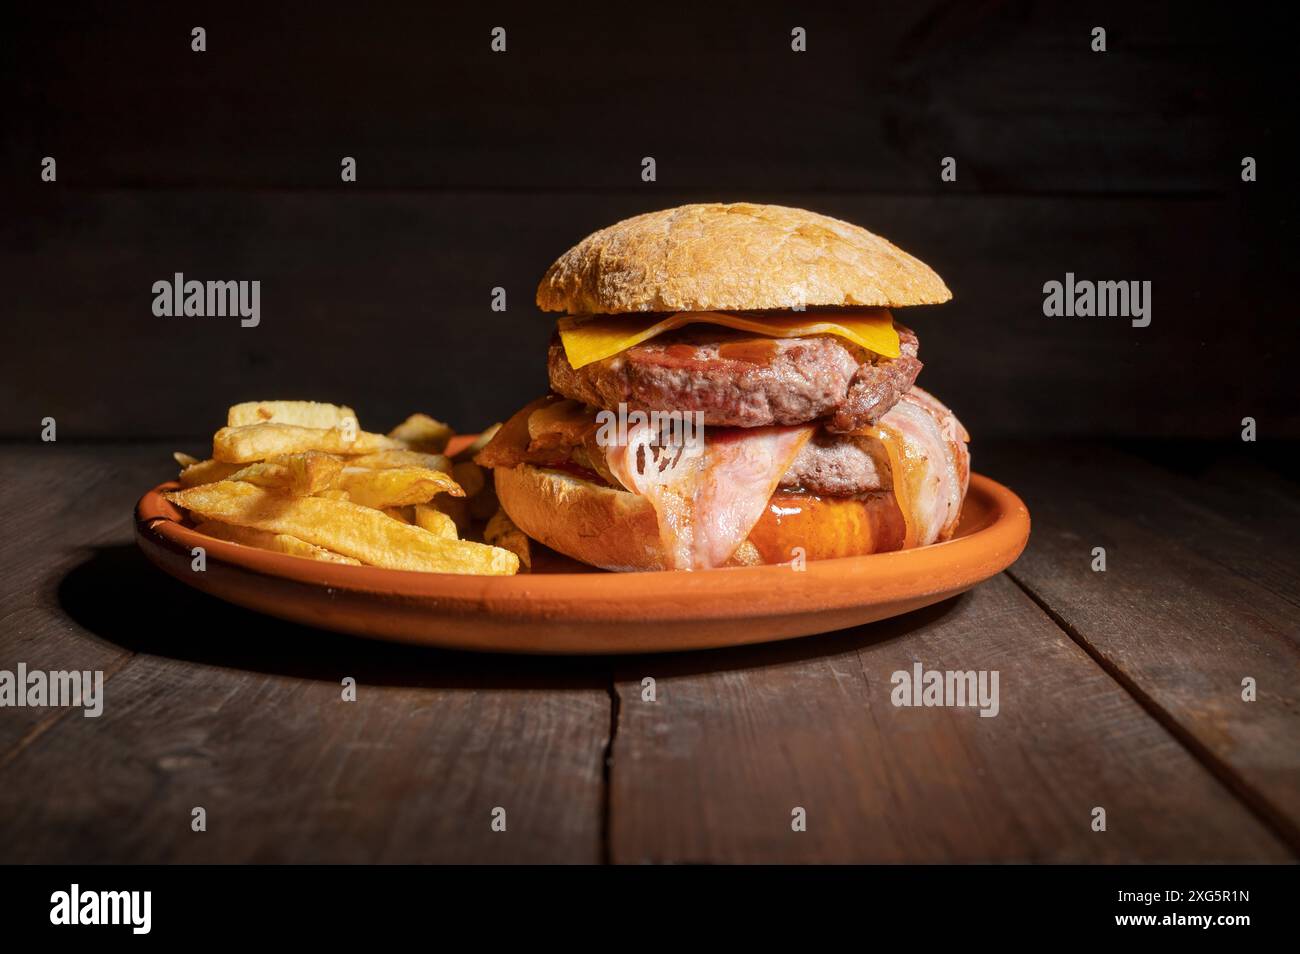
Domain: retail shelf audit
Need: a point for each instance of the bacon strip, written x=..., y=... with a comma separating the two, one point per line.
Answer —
x=707, y=503
x=930, y=462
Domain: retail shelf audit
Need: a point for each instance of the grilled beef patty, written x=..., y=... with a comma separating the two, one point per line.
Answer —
x=742, y=380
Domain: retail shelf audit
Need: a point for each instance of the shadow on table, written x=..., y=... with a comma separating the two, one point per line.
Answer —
x=118, y=596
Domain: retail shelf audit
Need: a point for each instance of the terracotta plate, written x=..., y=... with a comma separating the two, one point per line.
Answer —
x=569, y=608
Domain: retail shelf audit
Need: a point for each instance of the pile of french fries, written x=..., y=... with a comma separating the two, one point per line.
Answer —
x=302, y=478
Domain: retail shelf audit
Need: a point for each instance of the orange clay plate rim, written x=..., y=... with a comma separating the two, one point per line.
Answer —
x=594, y=612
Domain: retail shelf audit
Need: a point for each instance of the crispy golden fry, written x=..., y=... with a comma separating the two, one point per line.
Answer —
x=359, y=532
x=480, y=442
x=435, y=521
x=313, y=472
x=300, y=477
x=402, y=458
x=264, y=473
x=301, y=413
x=469, y=476
x=396, y=486
x=243, y=445
x=206, y=472
x=298, y=474
x=484, y=503
x=278, y=542
x=422, y=433
x=502, y=532
x=457, y=508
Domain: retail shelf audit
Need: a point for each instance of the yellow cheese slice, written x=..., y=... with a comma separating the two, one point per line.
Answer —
x=594, y=338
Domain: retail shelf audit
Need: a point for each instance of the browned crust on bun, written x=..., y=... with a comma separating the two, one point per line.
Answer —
x=598, y=525
x=736, y=257
x=617, y=530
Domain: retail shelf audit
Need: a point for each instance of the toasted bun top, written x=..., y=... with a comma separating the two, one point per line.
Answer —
x=737, y=257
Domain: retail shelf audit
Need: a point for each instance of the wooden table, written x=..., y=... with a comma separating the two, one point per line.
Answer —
x=1119, y=689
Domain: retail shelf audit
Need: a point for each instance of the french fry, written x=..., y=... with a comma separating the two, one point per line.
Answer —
x=313, y=472
x=396, y=486
x=469, y=476
x=420, y=432
x=502, y=532
x=355, y=531
x=402, y=458
x=277, y=542
x=300, y=477
x=245, y=444
x=206, y=472
x=435, y=521
x=301, y=413
x=480, y=442
x=264, y=473
x=298, y=474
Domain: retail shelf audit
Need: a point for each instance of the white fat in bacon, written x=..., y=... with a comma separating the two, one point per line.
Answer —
x=708, y=502
x=931, y=464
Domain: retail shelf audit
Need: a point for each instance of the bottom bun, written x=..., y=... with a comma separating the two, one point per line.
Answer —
x=617, y=530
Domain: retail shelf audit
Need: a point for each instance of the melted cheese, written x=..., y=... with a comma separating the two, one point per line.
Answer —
x=904, y=476
x=601, y=336
x=927, y=452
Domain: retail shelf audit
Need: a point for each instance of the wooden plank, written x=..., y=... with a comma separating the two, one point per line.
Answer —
x=397, y=287
x=65, y=506
x=243, y=715
x=1225, y=502
x=221, y=703
x=1258, y=479
x=288, y=772
x=711, y=771
x=1187, y=608
x=1226, y=505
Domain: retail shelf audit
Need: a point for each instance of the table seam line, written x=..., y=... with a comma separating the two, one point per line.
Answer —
x=1272, y=818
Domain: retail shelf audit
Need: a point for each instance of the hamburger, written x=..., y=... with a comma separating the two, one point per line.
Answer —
x=729, y=386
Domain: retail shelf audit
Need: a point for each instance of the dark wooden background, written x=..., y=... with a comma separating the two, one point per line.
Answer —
x=477, y=169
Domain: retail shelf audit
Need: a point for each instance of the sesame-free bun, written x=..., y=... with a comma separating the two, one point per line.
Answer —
x=598, y=525
x=737, y=257
x=616, y=530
